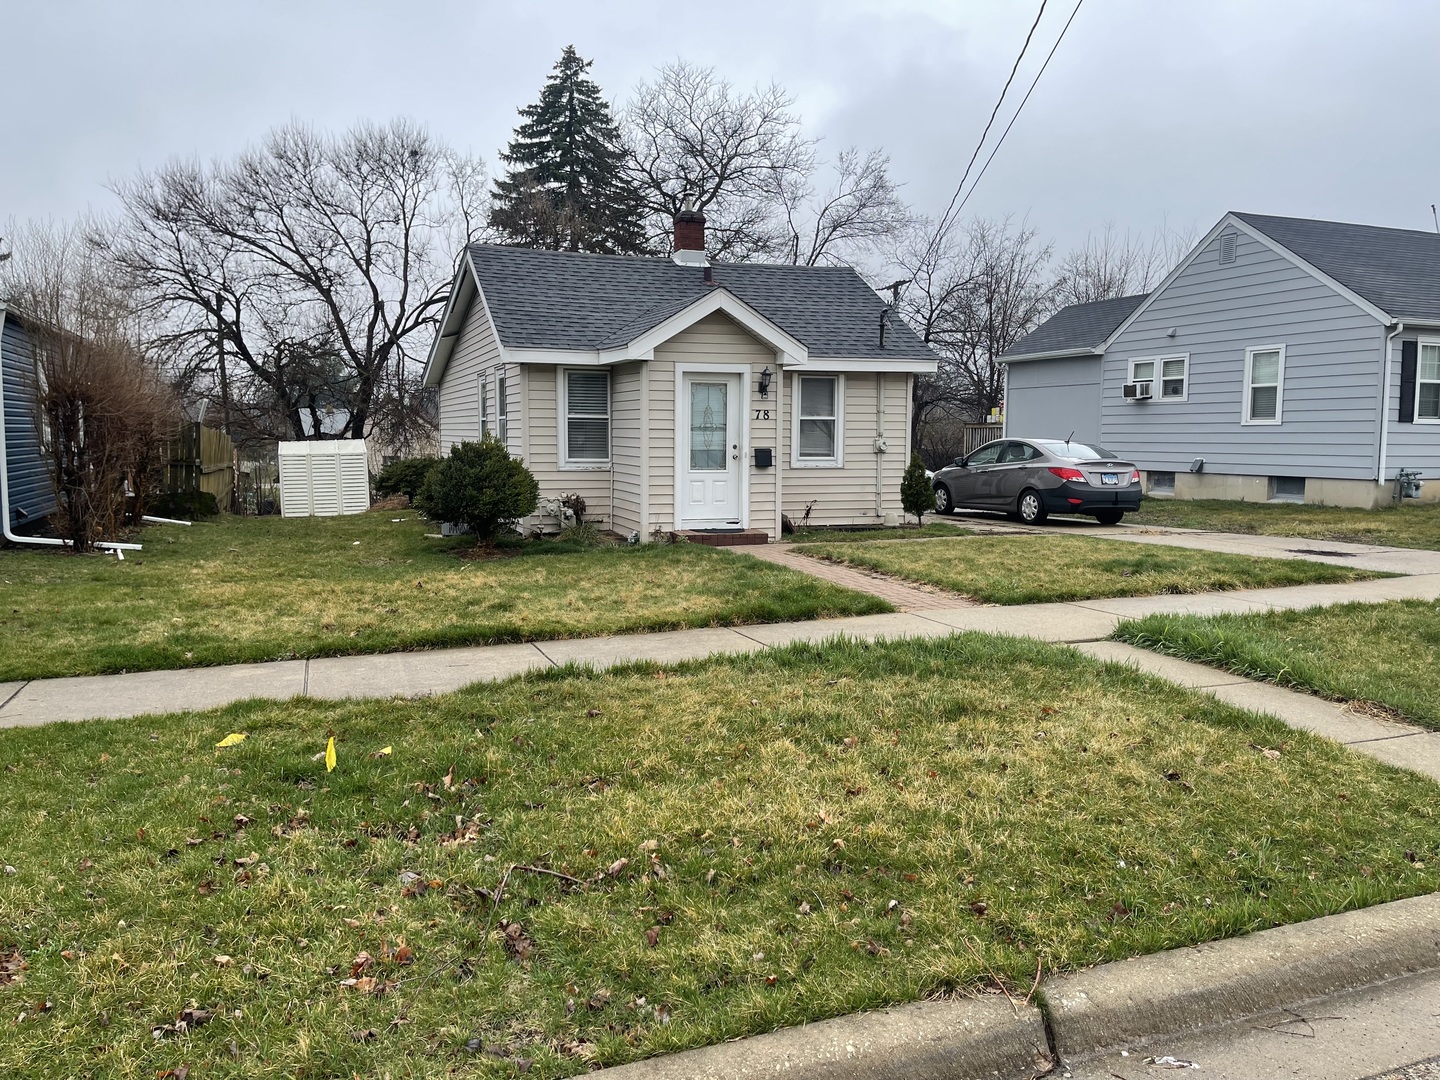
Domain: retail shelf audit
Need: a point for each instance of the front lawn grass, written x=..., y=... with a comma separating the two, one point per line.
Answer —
x=1408, y=525
x=248, y=589
x=1040, y=569
x=834, y=534
x=1387, y=654
x=748, y=843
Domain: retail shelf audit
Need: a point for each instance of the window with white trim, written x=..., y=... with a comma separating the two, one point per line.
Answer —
x=1427, y=382
x=585, y=405
x=818, y=409
x=502, y=410
x=1264, y=384
x=1171, y=373
x=484, y=414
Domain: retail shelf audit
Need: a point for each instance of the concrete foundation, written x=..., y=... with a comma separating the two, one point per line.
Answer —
x=1319, y=490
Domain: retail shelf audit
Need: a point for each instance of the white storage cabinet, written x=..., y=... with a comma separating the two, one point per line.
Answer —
x=324, y=477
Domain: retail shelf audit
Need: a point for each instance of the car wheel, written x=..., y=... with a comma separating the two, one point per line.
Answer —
x=1031, y=507
x=943, y=504
x=1109, y=517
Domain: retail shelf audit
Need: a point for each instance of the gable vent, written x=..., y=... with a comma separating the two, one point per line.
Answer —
x=1227, y=248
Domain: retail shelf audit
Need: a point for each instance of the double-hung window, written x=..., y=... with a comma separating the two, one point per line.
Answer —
x=1264, y=384
x=585, y=404
x=818, y=409
x=502, y=410
x=1167, y=374
x=1427, y=382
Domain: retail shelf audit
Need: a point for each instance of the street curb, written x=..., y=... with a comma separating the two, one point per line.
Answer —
x=1182, y=991
x=968, y=1039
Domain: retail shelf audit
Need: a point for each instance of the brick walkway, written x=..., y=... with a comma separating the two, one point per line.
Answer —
x=905, y=597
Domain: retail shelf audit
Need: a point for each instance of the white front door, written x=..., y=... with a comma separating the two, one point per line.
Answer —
x=710, y=452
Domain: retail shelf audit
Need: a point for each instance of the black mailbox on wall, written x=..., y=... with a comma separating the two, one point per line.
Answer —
x=764, y=457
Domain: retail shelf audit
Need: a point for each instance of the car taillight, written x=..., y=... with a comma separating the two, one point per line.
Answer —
x=1068, y=474
x=1135, y=477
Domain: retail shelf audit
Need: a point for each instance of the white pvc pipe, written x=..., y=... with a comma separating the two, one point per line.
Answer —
x=163, y=521
x=15, y=538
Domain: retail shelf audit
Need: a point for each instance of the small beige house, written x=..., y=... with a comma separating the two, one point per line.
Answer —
x=674, y=395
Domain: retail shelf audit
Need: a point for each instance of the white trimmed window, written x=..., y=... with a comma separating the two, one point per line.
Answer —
x=1264, y=384
x=585, y=405
x=819, y=408
x=502, y=411
x=1427, y=382
x=484, y=413
x=1169, y=375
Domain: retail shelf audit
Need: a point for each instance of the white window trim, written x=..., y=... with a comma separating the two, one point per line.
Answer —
x=1245, y=402
x=836, y=462
x=1419, y=348
x=482, y=398
x=562, y=412
x=1158, y=389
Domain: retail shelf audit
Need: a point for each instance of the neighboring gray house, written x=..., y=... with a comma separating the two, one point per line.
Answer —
x=676, y=395
x=26, y=495
x=1283, y=359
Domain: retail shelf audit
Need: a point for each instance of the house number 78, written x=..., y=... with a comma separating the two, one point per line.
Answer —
x=762, y=414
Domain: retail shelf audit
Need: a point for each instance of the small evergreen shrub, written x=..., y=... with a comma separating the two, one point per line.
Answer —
x=184, y=505
x=917, y=495
x=479, y=486
x=404, y=477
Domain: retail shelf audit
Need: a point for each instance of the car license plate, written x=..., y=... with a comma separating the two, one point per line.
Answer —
x=1109, y=478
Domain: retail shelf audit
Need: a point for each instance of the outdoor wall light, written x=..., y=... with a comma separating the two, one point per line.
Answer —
x=765, y=377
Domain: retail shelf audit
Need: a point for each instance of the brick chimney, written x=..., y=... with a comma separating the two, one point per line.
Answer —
x=690, y=234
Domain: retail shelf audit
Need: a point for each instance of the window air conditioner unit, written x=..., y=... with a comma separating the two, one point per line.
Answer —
x=1139, y=391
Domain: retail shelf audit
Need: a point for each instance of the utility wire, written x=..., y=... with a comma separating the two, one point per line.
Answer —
x=945, y=218
x=1018, y=110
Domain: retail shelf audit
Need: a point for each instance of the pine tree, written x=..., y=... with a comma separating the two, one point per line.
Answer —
x=916, y=495
x=566, y=189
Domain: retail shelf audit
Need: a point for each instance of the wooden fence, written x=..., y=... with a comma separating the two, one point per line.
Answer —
x=201, y=459
x=977, y=435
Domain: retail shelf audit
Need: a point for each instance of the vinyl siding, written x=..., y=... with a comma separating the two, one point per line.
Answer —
x=626, y=382
x=719, y=340
x=1412, y=446
x=1331, y=380
x=1047, y=399
x=543, y=436
x=476, y=353
x=29, y=480
x=847, y=495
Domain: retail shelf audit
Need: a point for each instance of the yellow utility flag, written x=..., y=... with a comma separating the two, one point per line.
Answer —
x=330, y=755
x=385, y=751
x=235, y=738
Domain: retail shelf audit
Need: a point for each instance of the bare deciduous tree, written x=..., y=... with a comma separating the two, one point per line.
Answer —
x=307, y=247
x=752, y=171
x=102, y=412
x=1114, y=264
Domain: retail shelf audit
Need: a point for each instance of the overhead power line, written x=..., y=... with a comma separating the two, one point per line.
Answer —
x=1001, y=141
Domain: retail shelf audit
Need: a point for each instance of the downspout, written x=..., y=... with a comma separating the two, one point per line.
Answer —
x=879, y=453
x=1388, y=359
x=780, y=455
x=15, y=538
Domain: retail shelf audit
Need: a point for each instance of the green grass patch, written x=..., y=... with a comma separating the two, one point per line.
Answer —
x=1382, y=654
x=1039, y=569
x=250, y=589
x=1397, y=526
x=835, y=535
x=749, y=843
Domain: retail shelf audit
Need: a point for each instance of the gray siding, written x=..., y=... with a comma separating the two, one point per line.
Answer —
x=1412, y=446
x=1331, y=382
x=1048, y=399
x=31, y=495
x=476, y=355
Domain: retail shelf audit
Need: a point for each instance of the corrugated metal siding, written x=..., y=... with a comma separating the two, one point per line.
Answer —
x=1332, y=365
x=716, y=339
x=30, y=487
x=1047, y=399
x=1412, y=446
x=846, y=496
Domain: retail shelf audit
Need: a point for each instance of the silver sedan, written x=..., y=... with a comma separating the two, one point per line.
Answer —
x=1033, y=478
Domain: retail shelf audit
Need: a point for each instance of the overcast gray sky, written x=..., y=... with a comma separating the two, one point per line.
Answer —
x=1152, y=110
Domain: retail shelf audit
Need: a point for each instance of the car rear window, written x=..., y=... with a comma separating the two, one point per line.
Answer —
x=1080, y=451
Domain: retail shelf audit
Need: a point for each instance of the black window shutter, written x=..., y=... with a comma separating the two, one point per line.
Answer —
x=1409, y=351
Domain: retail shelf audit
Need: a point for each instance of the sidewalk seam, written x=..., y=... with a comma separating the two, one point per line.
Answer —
x=18, y=691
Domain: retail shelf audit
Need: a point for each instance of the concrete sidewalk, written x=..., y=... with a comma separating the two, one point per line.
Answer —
x=439, y=671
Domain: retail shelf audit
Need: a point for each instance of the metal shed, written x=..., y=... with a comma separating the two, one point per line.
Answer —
x=324, y=477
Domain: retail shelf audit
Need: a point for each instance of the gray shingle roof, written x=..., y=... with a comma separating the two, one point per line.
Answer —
x=1397, y=270
x=569, y=300
x=1077, y=328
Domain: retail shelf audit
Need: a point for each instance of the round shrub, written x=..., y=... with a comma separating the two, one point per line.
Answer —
x=479, y=486
x=404, y=477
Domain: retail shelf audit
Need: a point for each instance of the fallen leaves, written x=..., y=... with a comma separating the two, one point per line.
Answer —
x=12, y=966
x=518, y=944
x=190, y=1018
x=1267, y=752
